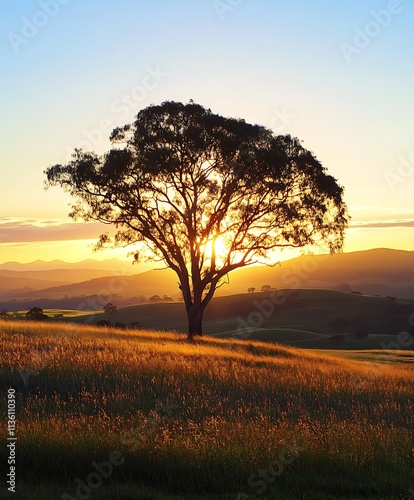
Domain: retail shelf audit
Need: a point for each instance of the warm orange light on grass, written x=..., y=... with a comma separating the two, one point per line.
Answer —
x=233, y=404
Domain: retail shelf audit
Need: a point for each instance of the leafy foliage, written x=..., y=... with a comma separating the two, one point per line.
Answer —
x=180, y=179
x=110, y=308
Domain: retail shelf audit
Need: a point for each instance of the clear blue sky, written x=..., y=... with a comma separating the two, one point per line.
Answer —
x=81, y=69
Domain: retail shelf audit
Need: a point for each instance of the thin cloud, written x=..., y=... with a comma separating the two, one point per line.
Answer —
x=13, y=230
x=382, y=224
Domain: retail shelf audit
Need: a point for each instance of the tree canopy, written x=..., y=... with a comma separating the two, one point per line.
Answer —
x=205, y=194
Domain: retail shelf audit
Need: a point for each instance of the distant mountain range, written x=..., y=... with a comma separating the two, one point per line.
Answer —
x=373, y=272
x=41, y=265
x=17, y=278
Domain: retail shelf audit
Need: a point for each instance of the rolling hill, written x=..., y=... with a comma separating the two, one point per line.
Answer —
x=304, y=318
x=115, y=265
x=12, y=284
x=379, y=271
x=18, y=279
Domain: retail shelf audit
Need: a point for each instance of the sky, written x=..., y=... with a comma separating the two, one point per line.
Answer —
x=337, y=75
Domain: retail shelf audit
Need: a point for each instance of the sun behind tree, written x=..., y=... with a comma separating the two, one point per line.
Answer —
x=205, y=194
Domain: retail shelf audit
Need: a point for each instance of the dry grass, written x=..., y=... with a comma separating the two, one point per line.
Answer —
x=204, y=418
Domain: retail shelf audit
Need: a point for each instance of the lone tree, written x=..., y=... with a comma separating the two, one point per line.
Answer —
x=36, y=314
x=204, y=194
x=110, y=308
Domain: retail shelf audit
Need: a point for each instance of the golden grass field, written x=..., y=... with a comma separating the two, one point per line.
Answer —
x=215, y=419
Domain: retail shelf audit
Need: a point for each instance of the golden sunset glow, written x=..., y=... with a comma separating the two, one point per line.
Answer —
x=74, y=250
x=207, y=249
x=220, y=250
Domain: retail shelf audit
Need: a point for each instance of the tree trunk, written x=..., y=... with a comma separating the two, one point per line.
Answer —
x=195, y=321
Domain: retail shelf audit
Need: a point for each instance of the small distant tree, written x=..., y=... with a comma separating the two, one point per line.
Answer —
x=251, y=290
x=135, y=324
x=155, y=299
x=110, y=308
x=119, y=324
x=104, y=322
x=166, y=298
x=36, y=314
x=266, y=288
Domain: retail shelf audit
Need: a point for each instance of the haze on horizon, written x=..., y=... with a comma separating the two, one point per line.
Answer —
x=289, y=67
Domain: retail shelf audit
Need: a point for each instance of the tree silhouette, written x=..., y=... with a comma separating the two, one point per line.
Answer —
x=36, y=314
x=204, y=194
x=266, y=288
x=104, y=322
x=109, y=308
x=251, y=290
x=155, y=299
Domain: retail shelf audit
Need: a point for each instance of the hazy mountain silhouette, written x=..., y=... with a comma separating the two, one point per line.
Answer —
x=121, y=266
x=15, y=284
x=378, y=271
x=17, y=278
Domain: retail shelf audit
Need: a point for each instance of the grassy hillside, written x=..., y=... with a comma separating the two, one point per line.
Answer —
x=378, y=271
x=215, y=419
x=304, y=318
